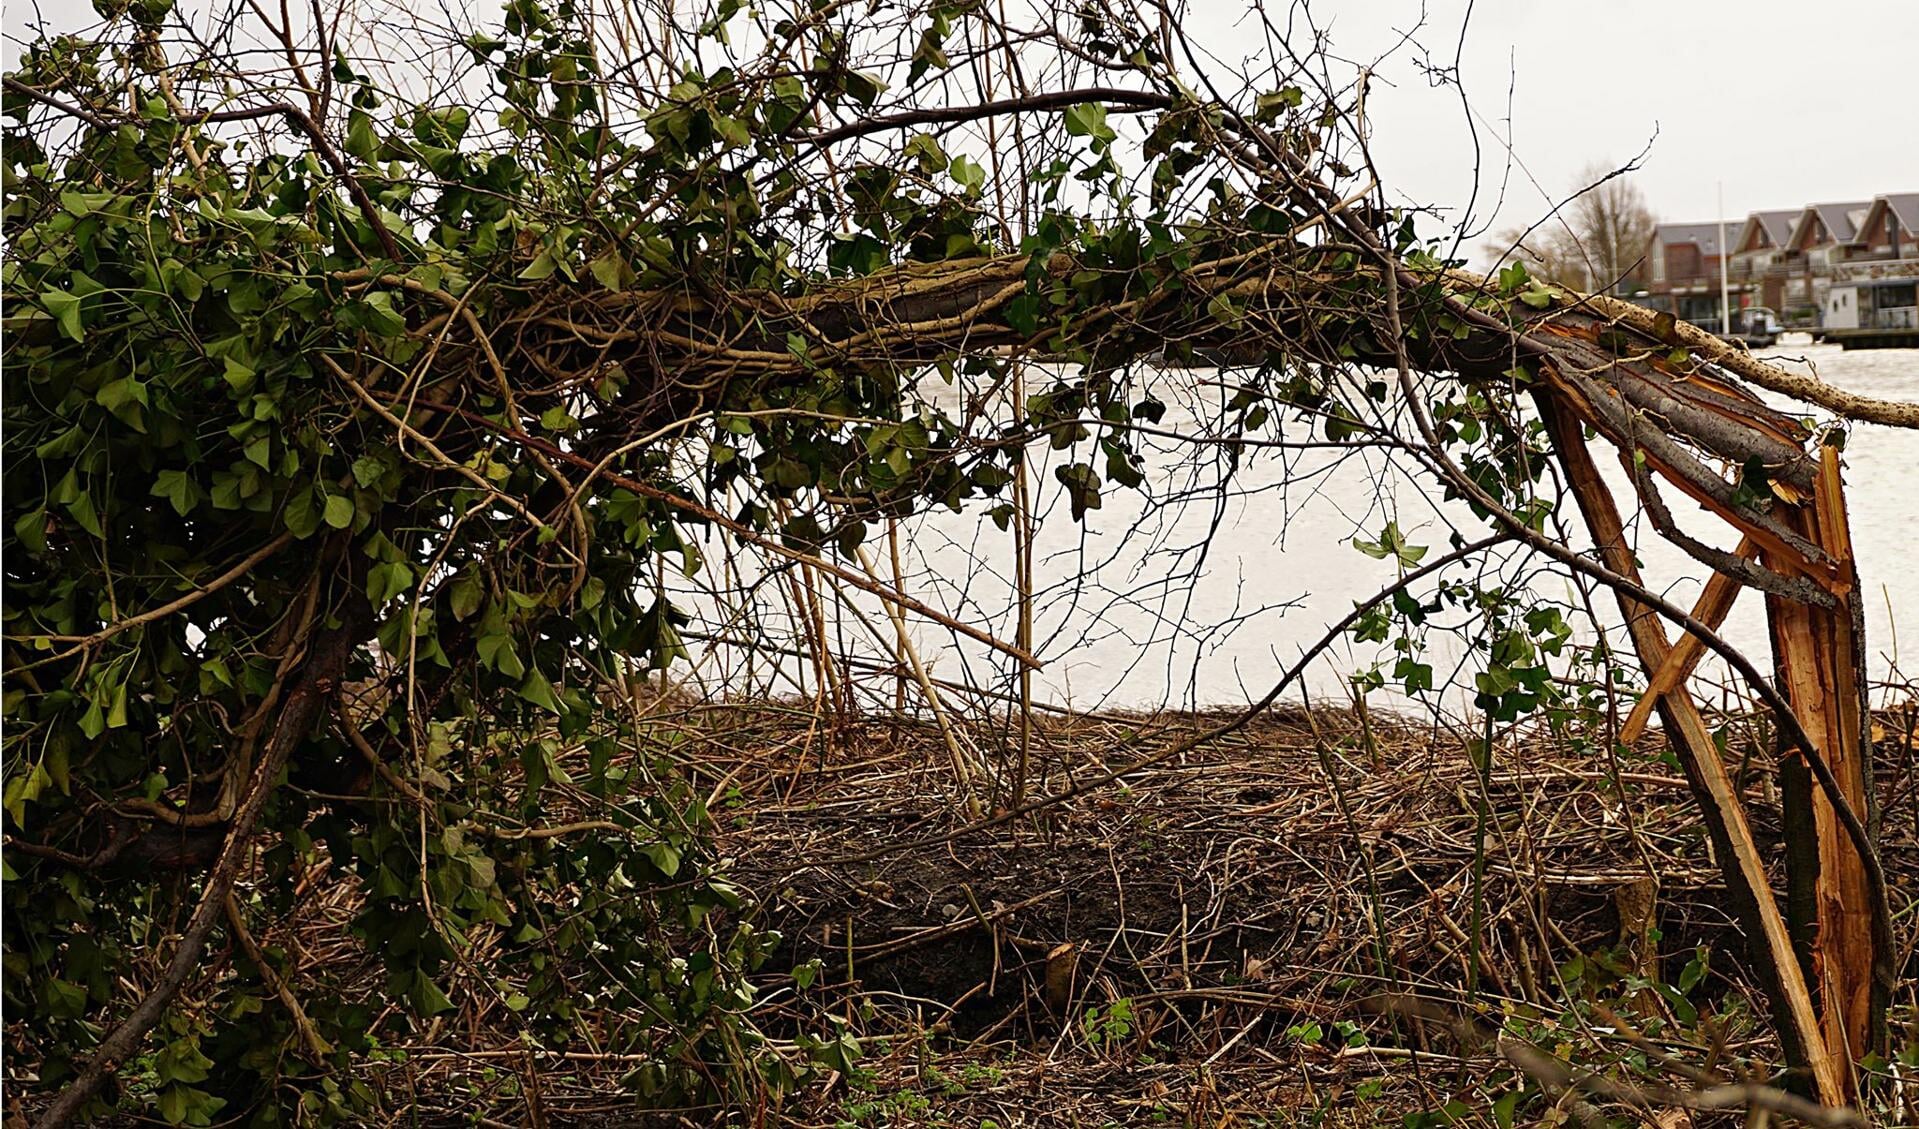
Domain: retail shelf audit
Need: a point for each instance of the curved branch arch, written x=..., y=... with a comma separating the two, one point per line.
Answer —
x=371, y=294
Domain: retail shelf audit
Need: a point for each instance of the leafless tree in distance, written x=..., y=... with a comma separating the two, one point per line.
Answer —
x=1595, y=241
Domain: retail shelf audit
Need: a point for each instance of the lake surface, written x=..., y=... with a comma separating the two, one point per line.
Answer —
x=1203, y=596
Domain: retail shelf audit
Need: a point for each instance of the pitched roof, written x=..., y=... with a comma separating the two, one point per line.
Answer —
x=1775, y=226
x=1841, y=221
x=1705, y=234
x=1904, y=205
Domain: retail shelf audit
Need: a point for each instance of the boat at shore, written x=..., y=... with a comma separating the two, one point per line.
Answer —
x=1755, y=327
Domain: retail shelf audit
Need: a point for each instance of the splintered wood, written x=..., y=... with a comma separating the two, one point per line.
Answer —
x=1827, y=1001
x=1817, y=653
x=1739, y=856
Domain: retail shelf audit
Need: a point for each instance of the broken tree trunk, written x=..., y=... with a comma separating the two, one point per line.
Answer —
x=1740, y=860
x=1815, y=617
x=1819, y=655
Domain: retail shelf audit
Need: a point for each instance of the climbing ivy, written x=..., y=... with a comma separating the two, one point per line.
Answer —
x=347, y=438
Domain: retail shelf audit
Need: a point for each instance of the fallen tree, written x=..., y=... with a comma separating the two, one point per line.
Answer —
x=310, y=391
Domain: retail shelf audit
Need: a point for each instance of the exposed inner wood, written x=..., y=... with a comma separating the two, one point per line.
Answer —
x=1714, y=604
x=1817, y=654
x=1800, y=1027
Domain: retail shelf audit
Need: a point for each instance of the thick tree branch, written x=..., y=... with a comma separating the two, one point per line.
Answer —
x=1126, y=101
x=1808, y=389
x=311, y=688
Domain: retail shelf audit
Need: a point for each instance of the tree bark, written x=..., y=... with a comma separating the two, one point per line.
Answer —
x=1795, y=1013
x=311, y=689
x=1819, y=654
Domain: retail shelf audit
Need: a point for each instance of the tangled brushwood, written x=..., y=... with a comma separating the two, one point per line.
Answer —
x=364, y=381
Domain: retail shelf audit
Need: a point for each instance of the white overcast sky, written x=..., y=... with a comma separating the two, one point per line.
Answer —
x=1783, y=103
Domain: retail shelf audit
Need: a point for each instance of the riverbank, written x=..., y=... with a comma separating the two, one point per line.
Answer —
x=1306, y=923
x=1322, y=918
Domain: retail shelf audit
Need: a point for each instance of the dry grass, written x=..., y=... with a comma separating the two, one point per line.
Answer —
x=1274, y=929
x=1314, y=871
x=1282, y=917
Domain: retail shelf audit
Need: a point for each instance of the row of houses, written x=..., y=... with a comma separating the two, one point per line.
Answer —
x=1849, y=266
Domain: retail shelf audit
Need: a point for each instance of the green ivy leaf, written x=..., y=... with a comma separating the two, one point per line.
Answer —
x=1392, y=543
x=663, y=856
x=426, y=997
x=83, y=514
x=117, y=711
x=187, y=283
x=1539, y=297
x=381, y=318
x=1082, y=487
x=610, y=270
x=361, y=140
x=239, y=377
x=1504, y=1107
x=592, y=592
x=864, y=87
x=968, y=174
x=339, y=511
x=385, y=581
x=539, y=691
x=465, y=595
x=1268, y=107
x=301, y=516
x=125, y=398
x=31, y=529
x=1088, y=119
x=182, y=1061
x=495, y=649
x=368, y=470
x=64, y=998
x=65, y=309
x=925, y=149
x=542, y=266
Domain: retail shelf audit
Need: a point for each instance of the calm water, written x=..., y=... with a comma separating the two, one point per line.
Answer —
x=1205, y=599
